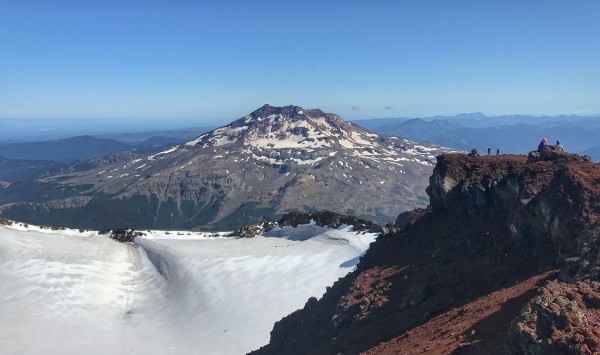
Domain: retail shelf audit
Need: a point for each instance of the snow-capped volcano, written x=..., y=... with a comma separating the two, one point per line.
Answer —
x=281, y=135
x=288, y=127
x=273, y=160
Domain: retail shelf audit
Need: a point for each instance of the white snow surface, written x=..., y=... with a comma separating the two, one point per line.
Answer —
x=66, y=292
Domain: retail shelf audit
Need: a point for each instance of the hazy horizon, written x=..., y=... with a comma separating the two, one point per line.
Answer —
x=50, y=128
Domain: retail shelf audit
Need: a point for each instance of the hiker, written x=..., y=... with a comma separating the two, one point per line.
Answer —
x=559, y=146
x=497, y=151
x=542, y=144
x=489, y=150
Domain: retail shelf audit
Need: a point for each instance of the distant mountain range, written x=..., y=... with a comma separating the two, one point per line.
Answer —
x=479, y=120
x=510, y=134
x=28, y=160
x=144, y=138
x=273, y=160
x=63, y=150
x=71, y=149
x=18, y=130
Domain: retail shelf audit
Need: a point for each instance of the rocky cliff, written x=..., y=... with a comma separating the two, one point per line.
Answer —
x=504, y=260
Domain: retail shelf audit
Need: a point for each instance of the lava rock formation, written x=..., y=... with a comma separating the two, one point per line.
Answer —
x=504, y=260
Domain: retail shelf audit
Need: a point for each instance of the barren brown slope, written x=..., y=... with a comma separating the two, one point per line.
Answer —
x=476, y=261
x=477, y=327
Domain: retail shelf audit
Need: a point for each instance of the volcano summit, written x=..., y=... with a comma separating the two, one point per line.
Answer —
x=274, y=160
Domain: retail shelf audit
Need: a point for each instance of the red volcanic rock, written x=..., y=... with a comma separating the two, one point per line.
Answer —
x=556, y=154
x=564, y=319
x=505, y=260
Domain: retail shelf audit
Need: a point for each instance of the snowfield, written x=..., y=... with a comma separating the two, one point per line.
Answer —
x=66, y=292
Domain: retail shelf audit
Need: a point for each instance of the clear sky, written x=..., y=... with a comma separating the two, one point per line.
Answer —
x=218, y=60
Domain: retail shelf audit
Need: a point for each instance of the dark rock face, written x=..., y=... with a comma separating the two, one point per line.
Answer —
x=252, y=230
x=494, y=222
x=409, y=218
x=123, y=235
x=551, y=203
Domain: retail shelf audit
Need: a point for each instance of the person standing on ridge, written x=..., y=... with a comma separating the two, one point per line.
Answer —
x=489, y=150
x=497, y=151
x=542, y=144
x=559, y=146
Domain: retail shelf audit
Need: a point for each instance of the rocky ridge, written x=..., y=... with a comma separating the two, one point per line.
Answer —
x=291, y=219
x=272, y=161
x=505, y=260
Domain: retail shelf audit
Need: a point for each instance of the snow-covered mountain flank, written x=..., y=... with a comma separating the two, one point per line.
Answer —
x=80, y=292
x=273, y=160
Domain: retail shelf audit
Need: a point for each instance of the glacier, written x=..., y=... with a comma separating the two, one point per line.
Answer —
x=72, y=292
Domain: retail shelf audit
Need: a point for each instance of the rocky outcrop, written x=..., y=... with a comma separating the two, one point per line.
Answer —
x=5, y=222
x=328, y=219
x=252, y=230
x=554, y=204
x=122, y=235
x=408, y=218
x=564, y=319
x=556, y=154
x=501, y=234
x=553, y=201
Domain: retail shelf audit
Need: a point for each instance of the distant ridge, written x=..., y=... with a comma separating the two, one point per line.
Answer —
x=62, y=150
x=512, y=134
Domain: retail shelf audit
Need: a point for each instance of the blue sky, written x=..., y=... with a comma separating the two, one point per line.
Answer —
x=214, y=61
